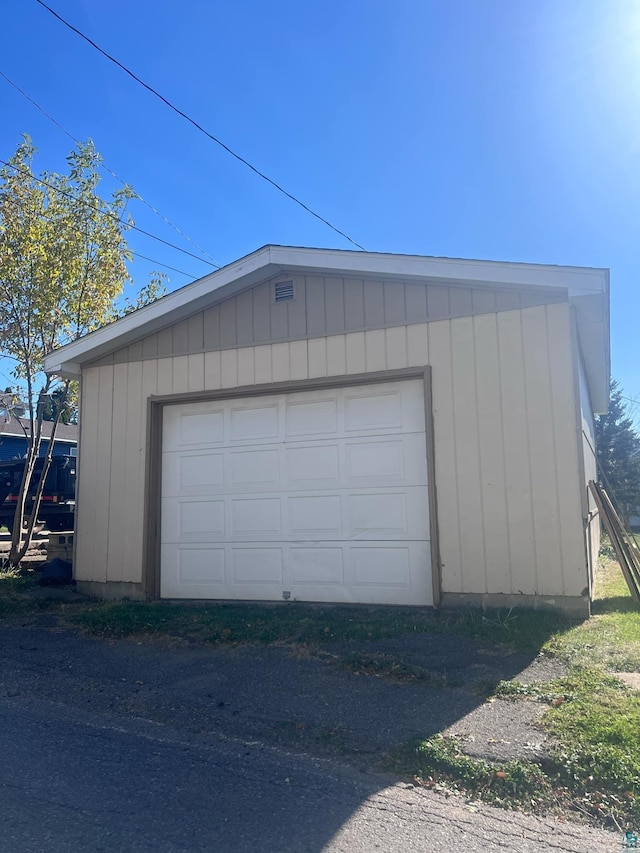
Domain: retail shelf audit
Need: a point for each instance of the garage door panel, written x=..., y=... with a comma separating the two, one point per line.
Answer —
x=313, y=466
x=381, y=566
x=315, y=566
x=366, y=412
x=256, y=517
x=192, y=571
x=201, y=423
x=257, y=566
x=387, y=462
x=254, y=422
x=254, y=469
x=315, y=495
x=315, y=517
x=193, y=520
x=311, y=418
x=192, y=473
x=381, y=513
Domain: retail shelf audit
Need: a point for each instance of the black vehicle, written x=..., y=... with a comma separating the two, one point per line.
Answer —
x=58, y=502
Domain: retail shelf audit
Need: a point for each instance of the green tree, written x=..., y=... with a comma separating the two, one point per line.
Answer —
x=63, y=263
x=618, y=452
x=59, y=407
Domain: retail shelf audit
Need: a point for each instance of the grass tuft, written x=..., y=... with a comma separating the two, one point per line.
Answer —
x=440, y=762
x=392, y=668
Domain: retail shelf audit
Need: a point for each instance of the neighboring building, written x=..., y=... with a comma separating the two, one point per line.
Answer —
x=14, y=432
x=323, y=425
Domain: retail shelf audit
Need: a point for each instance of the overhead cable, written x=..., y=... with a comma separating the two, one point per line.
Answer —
x=200, y=127
x=109, y=214
x=110, y=171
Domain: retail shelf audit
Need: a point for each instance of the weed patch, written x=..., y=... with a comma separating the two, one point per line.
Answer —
x=392, y=668
x=239, y=623
x=598, y=735
x=440, y=762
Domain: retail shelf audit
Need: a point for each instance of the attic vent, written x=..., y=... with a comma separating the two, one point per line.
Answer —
x=284, y=291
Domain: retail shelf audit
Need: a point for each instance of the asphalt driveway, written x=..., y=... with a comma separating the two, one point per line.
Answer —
x=152, y=746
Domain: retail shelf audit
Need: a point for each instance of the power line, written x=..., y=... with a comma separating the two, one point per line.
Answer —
x=199, y=126
x=166, y=266
x=107, y=213
x=110, y=171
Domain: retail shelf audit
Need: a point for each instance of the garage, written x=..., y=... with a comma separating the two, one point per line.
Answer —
x=313, y=495
x=320, y=425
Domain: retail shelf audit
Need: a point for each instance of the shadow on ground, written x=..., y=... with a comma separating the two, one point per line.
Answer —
x=185, y=744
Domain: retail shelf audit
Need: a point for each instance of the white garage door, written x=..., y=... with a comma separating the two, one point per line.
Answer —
x=314, y=496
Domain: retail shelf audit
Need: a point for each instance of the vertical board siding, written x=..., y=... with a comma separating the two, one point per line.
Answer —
x=566, y=447
x=228, y=323
x=336, y=355
x=323, y=305
x=244, y=318
x=465, y=417
x=317, y=357
x=212, y=371
x=446, y=462
x=298, y=360
x=506, y=441
x=395, y=348
x=116, y=497
x=262, y=364
x=356, y=353
x=246, y=366
x=374, y=350
x=373, y=304
x=353, y=304
x=491, y=453
x=261, y=313
x=103, y=470
x=181, y=337
x=88, y=451
x=541, y=449
x=180, y=374
x=297, y=310
x=211, y=328
x=280, y=362
x=134, y=486
x=516, y=438
x=334, y=306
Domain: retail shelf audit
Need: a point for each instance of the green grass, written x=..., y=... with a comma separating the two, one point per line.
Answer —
x=598, y=753
x=13, y=585
x=242, y=623
x=439, y=762
x=593, y=719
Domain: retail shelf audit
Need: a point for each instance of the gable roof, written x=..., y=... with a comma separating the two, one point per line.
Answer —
x=587, y=288
x=21, y=427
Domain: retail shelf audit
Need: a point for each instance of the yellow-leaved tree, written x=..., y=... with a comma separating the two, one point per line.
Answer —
x=63, y=263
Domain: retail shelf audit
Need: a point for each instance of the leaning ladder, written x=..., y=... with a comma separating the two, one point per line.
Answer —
x=623, y=541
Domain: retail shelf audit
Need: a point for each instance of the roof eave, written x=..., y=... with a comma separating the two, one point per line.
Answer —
x=581, y=284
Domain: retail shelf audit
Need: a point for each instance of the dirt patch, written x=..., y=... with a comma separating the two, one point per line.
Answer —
x=631, y=679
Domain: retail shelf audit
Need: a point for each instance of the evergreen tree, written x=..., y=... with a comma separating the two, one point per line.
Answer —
x=618, y=452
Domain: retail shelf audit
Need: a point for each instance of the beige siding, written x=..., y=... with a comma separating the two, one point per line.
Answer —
x=588, y=435
x=507, y=468
x=325, y=306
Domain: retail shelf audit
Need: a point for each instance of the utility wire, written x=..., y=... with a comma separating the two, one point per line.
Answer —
x=107, y=213
x=110, y=171
x=200, y=127
x=166, y=266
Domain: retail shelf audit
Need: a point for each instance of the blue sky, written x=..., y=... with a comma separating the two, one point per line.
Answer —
x=498, y=129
